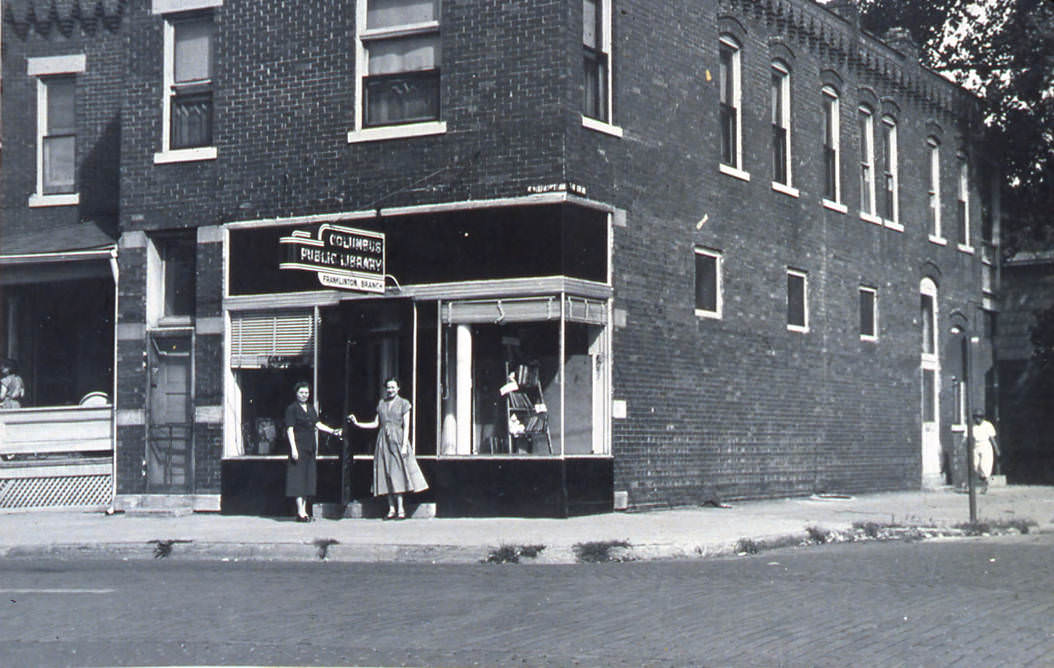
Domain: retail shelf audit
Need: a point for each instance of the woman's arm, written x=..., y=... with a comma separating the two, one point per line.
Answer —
x=326, y=429
x=372, y=424
x=293, y=452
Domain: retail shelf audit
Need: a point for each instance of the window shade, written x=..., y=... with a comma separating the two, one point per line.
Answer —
x=259, y=338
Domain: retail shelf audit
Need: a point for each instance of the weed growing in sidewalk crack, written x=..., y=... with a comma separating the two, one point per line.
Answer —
x=163, y=548
x=982, y=527
x=323, y=546
x=817, y=534
x=601, y=551
x=510, y=554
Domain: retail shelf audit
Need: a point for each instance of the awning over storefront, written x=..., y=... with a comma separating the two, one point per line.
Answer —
x=525, y=309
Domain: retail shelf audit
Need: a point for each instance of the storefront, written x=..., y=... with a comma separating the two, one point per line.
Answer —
x=494, y=320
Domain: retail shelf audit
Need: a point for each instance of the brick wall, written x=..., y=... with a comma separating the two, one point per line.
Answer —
x=742, y=407
x=97, y=107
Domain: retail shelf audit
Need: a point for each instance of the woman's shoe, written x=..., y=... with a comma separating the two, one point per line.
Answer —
x=401, y=516
x=390, y=515
x=303, y=518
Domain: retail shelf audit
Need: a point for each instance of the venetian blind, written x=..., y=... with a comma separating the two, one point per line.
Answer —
x=258, y=337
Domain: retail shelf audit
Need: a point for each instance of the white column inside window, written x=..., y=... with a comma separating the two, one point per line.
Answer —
x=463, y=388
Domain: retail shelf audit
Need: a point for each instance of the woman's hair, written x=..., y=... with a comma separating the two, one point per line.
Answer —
x=393, y=379
x=303, y=383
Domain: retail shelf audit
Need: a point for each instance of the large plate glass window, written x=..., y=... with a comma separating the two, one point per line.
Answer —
x=523, y=377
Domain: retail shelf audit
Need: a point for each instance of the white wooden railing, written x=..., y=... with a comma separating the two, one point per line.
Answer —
x=56, y=457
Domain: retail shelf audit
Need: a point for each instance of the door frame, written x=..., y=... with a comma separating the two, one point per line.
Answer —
x=154, y=356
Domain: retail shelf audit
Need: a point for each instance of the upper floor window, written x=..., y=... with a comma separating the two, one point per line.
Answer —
x=935, y=188
x=187, y=118
x=399, y=61
x=729, y=80
x=868, y=314
x=707, y=283
x=832, y=178
x=797, y=301
x=781, y=124
x=58, y=140
x=596, y=56
x=866, y=122
x=56, y=145
x=964, y=203
x=891, y=186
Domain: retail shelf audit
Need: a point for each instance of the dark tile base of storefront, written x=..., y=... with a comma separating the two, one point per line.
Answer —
x=459, y=487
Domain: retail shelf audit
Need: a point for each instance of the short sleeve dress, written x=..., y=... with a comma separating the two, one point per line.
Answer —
x=392, y=472
x=301, y=476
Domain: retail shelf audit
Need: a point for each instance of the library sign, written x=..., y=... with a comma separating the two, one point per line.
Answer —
x=341, y=257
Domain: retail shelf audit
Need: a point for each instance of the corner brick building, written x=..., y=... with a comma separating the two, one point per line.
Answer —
x=617, y=253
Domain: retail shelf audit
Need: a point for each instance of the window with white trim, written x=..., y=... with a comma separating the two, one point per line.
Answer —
x=797, y=301
x=866, y=121
x=964, y=203
x=708, y=300
x=832, y=177
x=187, y=113
x=56, y=142
x=596, y=57
x=935, y=187
x=781, y=123
x=928, y=316
x=730, y=82
x=891, y=185
x=171, y=272
x=868, y=314
x=399, y=56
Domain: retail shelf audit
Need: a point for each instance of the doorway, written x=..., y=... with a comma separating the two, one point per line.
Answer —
x=169, y=460
x=932, y=469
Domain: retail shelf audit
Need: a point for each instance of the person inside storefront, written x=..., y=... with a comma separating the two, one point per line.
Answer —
x=12, y=389
x=301, y=476
x=395, y=470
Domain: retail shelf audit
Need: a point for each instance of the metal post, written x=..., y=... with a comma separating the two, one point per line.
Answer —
x=971, y=482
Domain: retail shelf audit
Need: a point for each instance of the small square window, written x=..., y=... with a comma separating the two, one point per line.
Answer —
x=797, y=301
x=707, y=283
x=868, y=314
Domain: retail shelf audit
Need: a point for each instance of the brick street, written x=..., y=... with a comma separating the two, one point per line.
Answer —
x=963, y=602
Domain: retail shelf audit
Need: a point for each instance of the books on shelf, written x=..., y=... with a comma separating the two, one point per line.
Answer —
x=519, y=400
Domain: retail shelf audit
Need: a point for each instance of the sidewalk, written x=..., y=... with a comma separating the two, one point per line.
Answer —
x=675, y=533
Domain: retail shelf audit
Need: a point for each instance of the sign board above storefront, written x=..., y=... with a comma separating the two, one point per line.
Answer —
x=341, y=257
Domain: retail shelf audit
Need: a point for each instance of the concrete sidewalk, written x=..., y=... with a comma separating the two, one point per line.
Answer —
x=673, y=533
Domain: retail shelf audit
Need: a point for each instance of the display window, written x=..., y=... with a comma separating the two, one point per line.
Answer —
x=521, y=378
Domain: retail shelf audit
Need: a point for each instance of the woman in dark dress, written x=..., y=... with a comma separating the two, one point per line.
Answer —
x=301, y=421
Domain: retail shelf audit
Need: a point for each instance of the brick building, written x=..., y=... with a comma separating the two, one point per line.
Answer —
x=616, y=251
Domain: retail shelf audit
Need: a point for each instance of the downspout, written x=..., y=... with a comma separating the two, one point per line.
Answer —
x=116, y=271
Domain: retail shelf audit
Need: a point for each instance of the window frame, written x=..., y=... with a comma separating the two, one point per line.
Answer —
x=873, y=292
x=891, y=172
x=804, y=276
x=965, y=236
x=718, y=258
x=174, y=12
x=605, y=30
x=728, y=43
x=158, y=258
x=935, y=204
x=868, y=194
x=931, y=343
x=781, y=101
x=832, y=153
x=361, y=132
x=52, y=69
